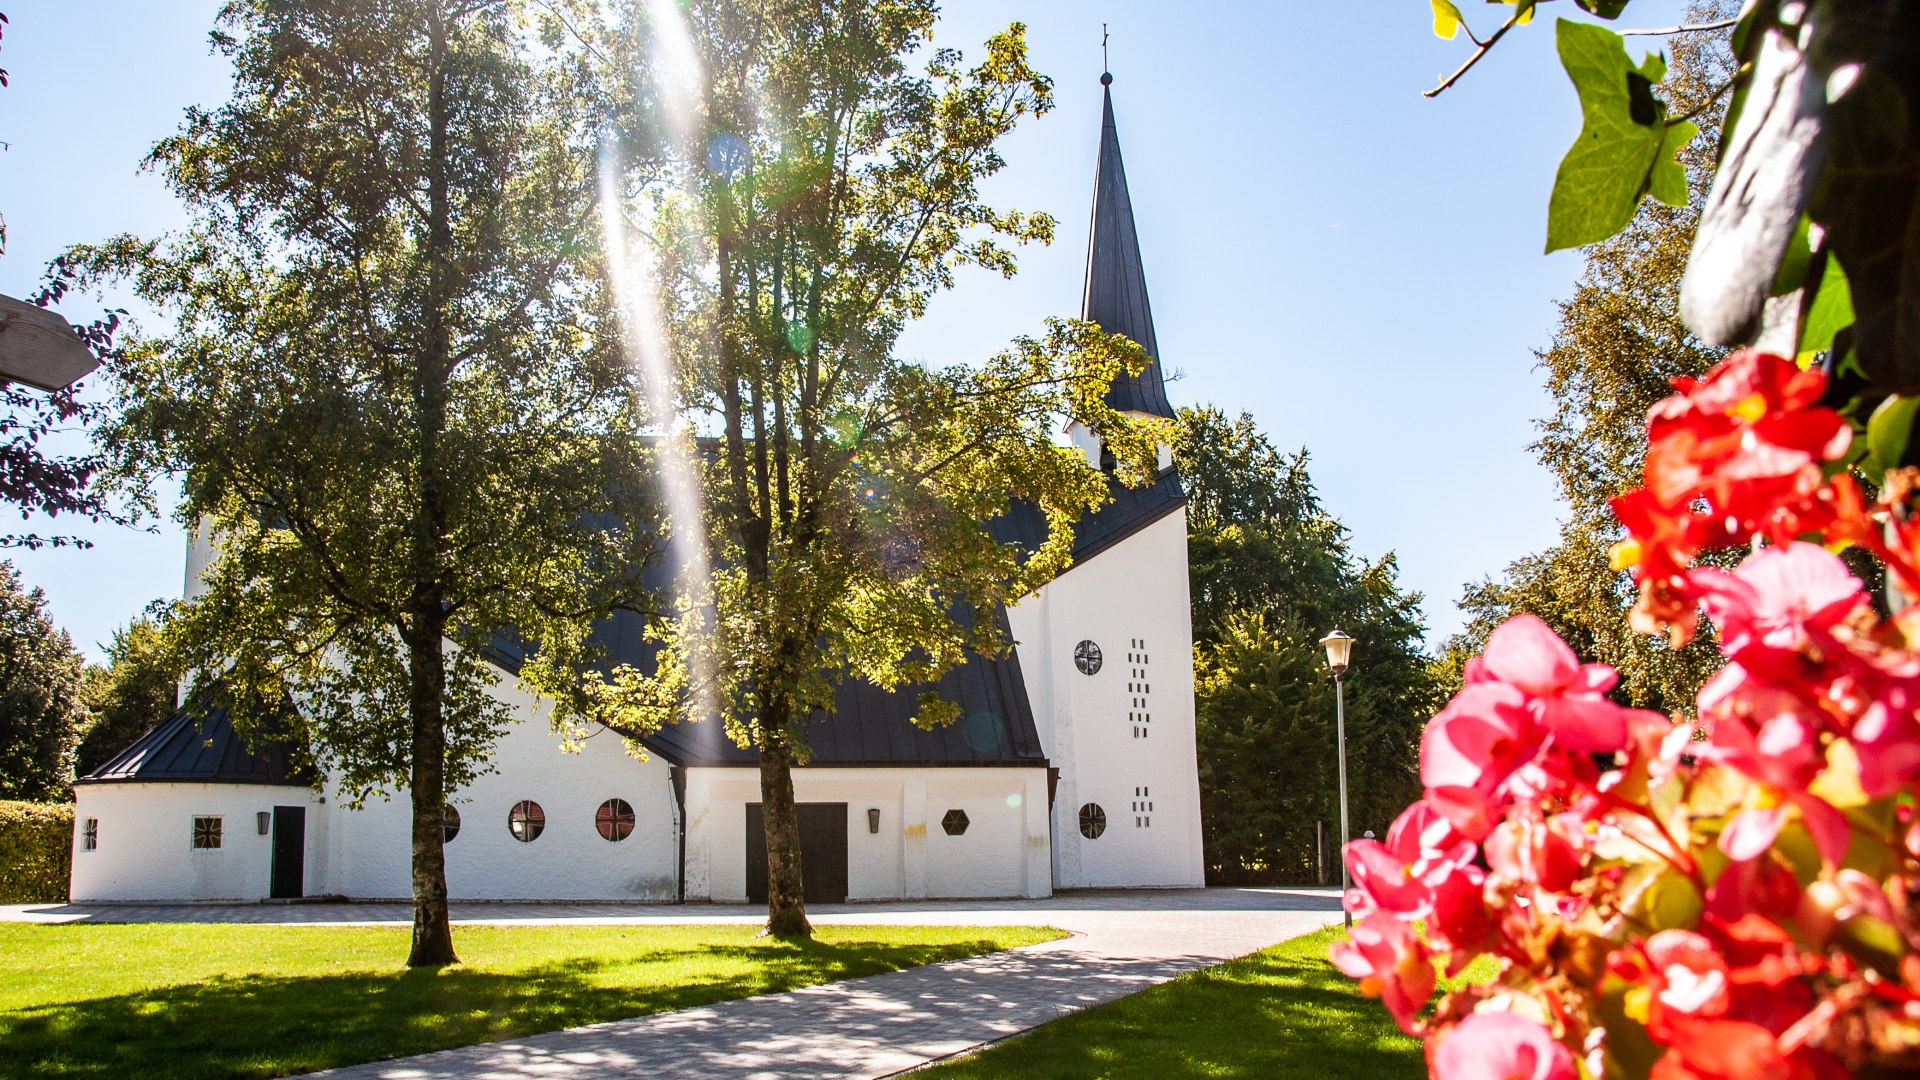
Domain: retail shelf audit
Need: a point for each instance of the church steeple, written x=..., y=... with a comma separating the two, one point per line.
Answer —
x=1116, y=286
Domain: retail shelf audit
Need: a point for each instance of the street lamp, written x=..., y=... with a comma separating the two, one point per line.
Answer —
x=1339, y=646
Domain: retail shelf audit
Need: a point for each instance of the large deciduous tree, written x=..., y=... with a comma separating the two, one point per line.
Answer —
x=40, y=710
x=387, y=387
x=1619, y=344
x=1271, y=572
x=808, y=175
x=136, y=689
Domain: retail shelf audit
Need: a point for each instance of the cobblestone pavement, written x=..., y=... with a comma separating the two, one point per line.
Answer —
x=1120, y=942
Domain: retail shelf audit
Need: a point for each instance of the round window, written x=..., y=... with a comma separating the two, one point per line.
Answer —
x=1093, y=821
x=526, y=821
x=614, y=819
x=1086, y=657
x=449, y=824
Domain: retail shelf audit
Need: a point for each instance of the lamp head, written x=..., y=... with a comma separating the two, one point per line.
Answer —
x=1339, y=646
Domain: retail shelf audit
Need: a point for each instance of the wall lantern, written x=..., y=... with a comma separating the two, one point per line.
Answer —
x=873, y=819
x=265, y=818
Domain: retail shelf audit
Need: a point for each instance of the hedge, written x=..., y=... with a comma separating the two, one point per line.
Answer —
x=36, y=851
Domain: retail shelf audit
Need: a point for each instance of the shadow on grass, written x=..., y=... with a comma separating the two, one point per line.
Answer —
x=1278, y=1014
x=258, y=1026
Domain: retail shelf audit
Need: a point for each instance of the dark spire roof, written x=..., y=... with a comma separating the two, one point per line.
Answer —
x=1116, y=290
x=186, y=749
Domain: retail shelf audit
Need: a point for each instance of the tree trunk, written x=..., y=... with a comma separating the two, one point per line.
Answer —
x=432, y=929
x=786, y=896
x=425, y=630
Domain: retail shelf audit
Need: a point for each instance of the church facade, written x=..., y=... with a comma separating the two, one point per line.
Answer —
x=1072, y=766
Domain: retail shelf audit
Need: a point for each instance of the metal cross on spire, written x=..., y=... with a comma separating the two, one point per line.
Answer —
x=1104, y=65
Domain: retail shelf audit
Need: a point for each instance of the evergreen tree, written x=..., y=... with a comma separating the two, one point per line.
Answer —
x=1271, y=573
x=40, y=710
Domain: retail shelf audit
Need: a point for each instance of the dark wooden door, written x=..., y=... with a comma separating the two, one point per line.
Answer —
x=823, y=852
x=289, y=852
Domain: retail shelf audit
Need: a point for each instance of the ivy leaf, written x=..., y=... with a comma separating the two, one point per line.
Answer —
x=1446, y=19
x=1831, y=313
x=1622, y=135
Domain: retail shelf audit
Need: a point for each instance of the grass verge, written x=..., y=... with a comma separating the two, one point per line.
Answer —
x=1280, y=1014
x=203, y=1000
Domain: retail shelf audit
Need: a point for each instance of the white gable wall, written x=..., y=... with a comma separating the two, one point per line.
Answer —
x=1122, y=738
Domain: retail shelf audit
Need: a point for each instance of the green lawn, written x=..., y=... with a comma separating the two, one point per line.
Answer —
x=1282, y=1013
x=248, y=1001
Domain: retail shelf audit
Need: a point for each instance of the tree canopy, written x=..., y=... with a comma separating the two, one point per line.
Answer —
x=387, y=385
x=40, y=709
x=134, y=690
x=1619, y=344
x=793, y=183
x=1271, y=573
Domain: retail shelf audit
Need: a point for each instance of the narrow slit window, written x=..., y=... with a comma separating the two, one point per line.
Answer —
x=90, y=834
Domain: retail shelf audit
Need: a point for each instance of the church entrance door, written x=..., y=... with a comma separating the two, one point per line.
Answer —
x=823, y=852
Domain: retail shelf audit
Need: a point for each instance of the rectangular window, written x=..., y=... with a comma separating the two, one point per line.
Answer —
x=206, y=833
x=90, y=834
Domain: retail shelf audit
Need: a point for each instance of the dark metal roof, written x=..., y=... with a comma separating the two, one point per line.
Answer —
x=870, y=726
x=1116, y=285
x=1130, y=510
x=206, y=749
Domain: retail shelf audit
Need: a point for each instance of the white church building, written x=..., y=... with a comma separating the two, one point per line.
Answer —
x=1072, y=766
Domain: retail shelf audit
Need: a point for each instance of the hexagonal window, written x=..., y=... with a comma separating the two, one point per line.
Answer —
x=955, y=822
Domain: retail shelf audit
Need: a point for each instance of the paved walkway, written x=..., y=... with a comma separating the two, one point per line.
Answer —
x=1121, y=942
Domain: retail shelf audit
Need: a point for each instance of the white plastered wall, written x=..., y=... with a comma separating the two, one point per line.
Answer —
x=1142, y=772
x=1003, y=852
x=146, y=847
x=569, y=860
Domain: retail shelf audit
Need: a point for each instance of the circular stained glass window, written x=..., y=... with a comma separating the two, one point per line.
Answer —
x=1086, y=657
x=449, y=824
x=614, y=819
x=1093, y=821
x=526, y=821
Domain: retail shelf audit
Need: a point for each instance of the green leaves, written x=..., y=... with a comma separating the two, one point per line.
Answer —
x=1890, y=431
x=1626, y=147
x=1446, y=19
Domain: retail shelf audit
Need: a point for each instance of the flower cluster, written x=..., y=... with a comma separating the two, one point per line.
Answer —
x=1729, y=895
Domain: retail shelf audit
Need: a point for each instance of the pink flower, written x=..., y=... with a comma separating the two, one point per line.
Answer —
x=1501, y=1046
x=1483, y=736
x=1398, y=876
x=1567, y=696
x=1391, y=963
x=1783, y=758
x=1777, y=595
x=1541, y=853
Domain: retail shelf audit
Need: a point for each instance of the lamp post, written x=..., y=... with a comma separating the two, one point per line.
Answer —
x=1339, y=646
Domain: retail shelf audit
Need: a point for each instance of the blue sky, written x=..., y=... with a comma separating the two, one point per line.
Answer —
x=1357, y=266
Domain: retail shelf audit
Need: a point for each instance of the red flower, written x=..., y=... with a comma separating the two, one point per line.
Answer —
x=1752, y=426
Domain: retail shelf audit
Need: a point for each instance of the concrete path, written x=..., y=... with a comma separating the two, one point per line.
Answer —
x=1121, y=942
